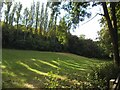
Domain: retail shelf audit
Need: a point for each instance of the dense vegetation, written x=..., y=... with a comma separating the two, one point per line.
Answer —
x=80, y=46
x=31, y=30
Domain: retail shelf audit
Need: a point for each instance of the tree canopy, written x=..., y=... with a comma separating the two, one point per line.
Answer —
x=41, y=27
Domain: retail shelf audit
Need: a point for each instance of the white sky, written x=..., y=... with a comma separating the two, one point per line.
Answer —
x=89, y=29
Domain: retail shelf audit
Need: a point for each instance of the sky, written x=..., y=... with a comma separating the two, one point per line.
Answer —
x=89, y=29
x=90, y=26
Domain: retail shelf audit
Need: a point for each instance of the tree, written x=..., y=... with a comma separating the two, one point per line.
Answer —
x=18, y=11
x=112, y=29
x=41, y=19
x=36, y=16
x=25, y=22
x=7, y=12
x=31, y=16
x=61, y=31
x=11, y=18
x=26, y=17
x=54, y=6
x=77, y=11
x=105, y=41
x=46, y=18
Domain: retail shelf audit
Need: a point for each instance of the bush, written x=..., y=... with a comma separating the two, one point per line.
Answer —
x=85, y=47
x=98, y=79
x=101, y=74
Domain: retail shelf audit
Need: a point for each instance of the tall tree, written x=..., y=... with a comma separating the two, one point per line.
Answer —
x=36, y=16
x=112, y=25
x=41, y=19
x=7, y=11
x=18, y=11
x=26, y=17
x=11, y=18
x=31, y=16
x=62, y=33
x=55, y=10
x=54, y=6
x=25, y=22
x=46, y=17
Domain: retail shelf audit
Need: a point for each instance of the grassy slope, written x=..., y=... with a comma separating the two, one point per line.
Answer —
x=29, y=68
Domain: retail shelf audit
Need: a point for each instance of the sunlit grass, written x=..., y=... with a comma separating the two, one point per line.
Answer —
x=48, y=63
x=30, y=68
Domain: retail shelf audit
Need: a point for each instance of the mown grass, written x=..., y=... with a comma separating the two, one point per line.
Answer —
x=29, y=69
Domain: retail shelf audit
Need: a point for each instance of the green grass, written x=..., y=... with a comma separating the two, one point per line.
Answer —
x=25, y=68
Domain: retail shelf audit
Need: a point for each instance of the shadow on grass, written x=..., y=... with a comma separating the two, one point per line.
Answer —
x=22, y=74
x=31, y=73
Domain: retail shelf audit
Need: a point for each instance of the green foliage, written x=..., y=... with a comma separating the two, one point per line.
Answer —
x=105, y=41
x=101, y=74
x=62, y=32
x=33, y=30
x=16, y=38
x=104, y=34
x=76, y=12
x=85, y=47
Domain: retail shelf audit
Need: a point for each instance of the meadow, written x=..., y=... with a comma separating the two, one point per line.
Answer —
x=39, y=69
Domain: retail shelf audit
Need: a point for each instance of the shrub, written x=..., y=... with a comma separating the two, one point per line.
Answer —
x=101, y=74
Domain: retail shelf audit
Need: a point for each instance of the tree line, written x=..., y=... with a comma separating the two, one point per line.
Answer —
x=39, y=28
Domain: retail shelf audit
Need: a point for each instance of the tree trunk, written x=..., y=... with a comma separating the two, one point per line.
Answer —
x=113, y=4
x=112, y=30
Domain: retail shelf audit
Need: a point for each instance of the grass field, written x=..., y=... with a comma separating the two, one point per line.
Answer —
x=30, y=69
